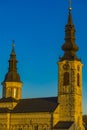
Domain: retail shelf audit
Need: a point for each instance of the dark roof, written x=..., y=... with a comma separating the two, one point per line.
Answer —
x=12, y=77
x=85, y=118
x=36, y=105
x=4, y=110
x=63, y=125
x=9, y=99
x=85, y=121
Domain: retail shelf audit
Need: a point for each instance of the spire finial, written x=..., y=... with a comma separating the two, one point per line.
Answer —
x=70, y=5
x=13, y=45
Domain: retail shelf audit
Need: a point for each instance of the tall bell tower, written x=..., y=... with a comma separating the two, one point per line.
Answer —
x=12, y=85
x=70, y=78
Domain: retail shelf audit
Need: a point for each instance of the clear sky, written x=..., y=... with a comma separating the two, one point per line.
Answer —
x=37, y=26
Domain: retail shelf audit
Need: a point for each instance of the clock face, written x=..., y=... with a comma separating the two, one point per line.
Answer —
x=66, y=66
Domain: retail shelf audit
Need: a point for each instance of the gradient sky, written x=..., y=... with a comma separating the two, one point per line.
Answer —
x=37, y=26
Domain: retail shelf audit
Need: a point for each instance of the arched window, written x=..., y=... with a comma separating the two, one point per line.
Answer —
x=9, y=92
x=66, y=78
x=20, y=128
x=78, y=79
x=36, y=127
x=15, y=92
x=44, y=128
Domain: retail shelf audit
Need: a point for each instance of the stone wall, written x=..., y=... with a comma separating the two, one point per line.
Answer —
x=26, y=121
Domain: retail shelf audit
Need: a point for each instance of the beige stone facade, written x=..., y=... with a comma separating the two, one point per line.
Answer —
x=63, y=112
x=70, y=92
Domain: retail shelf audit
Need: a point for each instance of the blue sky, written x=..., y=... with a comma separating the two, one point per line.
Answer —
x=37, y=26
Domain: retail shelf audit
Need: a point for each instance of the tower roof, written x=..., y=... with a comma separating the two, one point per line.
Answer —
x=69, y=47
x=12, y=75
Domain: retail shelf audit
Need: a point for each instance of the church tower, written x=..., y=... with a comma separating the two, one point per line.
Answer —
x=70, y=78
x=12, y=85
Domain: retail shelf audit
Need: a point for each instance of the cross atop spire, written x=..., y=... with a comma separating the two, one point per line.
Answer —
x=70, y=5
x=13, y=45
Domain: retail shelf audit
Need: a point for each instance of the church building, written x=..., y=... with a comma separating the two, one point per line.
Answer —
x=63, y=112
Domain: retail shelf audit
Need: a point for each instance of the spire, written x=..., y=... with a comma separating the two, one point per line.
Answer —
x=12, y=60
x=70, y=22
x=12, y=74
x=69, y=47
